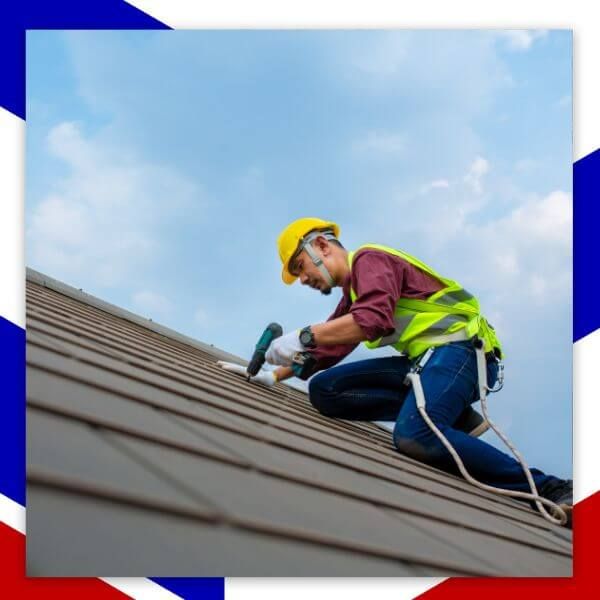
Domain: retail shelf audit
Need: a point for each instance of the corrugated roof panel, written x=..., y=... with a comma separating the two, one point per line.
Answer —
x=149, y=427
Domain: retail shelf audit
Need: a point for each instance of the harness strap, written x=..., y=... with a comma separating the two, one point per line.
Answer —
x=458, y=336
x=556, y=515
x=318, y=262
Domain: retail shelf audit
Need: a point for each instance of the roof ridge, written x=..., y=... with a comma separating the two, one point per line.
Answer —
x=112, y=309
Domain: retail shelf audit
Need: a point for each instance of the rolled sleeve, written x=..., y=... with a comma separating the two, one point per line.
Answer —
x=328, y=356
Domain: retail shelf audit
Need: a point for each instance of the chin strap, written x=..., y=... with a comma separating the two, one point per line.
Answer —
x=316, y=259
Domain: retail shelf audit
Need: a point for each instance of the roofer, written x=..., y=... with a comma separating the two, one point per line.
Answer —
x=392, y=298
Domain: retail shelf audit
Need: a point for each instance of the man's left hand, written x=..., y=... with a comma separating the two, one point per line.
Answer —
x=282, y=349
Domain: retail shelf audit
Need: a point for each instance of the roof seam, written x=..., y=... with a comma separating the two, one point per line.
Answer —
x=244, y=463
x=98, y=491
x=202, y=419
x=448, y=480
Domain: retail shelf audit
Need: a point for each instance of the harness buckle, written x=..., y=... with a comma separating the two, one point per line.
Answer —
x=419, y=365
x=500, y=380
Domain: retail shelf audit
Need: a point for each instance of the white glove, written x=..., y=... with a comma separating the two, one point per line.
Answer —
x=282, y=349
x=266, y=378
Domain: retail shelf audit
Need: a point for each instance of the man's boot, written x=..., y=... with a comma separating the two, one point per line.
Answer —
x=560, y=491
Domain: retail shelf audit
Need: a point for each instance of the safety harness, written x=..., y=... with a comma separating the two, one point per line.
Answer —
x=414, y=378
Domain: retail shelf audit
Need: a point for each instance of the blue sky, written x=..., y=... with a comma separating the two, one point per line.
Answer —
x=162, y=165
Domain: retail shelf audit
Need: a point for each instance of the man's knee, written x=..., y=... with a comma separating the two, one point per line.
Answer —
x=321, y=395
x=417, y=442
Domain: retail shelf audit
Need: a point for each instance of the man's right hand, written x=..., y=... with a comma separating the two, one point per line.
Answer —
x=266, y=378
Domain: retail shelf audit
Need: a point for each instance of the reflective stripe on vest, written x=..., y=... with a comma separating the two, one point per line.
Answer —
x=451, y=298
x=421, y=324
x=403, y=322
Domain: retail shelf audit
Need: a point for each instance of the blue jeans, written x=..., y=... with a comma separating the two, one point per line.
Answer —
x=374, y=390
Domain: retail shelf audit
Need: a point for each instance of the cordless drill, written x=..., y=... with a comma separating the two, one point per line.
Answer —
x=272, y=332
x=301, y=366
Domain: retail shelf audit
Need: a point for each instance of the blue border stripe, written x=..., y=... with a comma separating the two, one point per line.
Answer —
x=12, y=418
x=586, y=217
x=18, y=16
x=194, y=588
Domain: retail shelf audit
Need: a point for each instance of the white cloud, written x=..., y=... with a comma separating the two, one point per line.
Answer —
x=101, y=223
x=442, y=212
x=523, y=256
x=547, y=220
x=151, y=303
x=473, y=179
x=380, y=143
x=478, y=168
x=437, y=184
x=507, y=262
x=520, y=40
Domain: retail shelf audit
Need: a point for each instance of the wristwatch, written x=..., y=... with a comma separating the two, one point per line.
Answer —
x=307, y=339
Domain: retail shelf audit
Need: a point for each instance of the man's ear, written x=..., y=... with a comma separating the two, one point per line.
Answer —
x=323, y=245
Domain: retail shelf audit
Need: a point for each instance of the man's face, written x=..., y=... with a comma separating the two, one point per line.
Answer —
x=308, y=274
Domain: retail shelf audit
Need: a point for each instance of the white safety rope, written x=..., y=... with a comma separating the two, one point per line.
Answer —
x=415, y=379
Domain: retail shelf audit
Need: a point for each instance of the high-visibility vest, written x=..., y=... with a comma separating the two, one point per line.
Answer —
x=450, y=314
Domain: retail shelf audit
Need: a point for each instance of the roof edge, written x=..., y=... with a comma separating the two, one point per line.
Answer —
x=78, y=294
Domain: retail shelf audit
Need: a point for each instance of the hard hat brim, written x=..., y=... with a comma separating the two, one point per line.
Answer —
x=287, y=277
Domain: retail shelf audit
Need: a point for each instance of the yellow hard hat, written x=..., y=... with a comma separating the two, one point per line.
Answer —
x=289, y=240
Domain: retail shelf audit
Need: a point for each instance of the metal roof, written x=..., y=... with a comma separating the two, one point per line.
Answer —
x=145, y=458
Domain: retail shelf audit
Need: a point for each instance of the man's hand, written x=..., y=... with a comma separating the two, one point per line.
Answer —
x=282, y=349
x=266, y=378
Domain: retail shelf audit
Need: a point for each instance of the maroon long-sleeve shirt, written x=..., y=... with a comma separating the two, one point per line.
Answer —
x=379, y=280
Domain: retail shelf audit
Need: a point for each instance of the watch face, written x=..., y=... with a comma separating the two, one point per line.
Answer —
x=306, y=338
